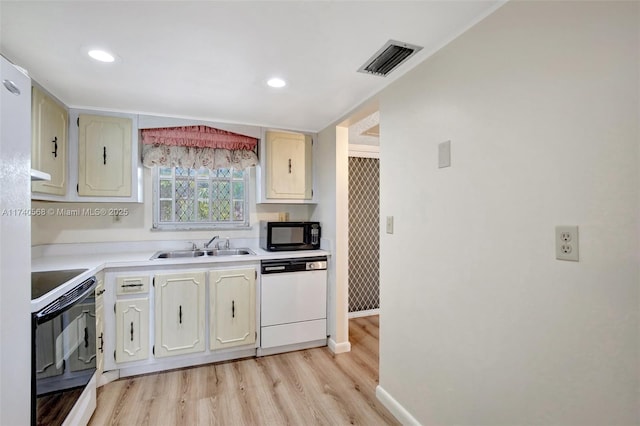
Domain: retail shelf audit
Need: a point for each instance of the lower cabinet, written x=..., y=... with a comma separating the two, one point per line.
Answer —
x=100, y=322
x=179, y=313
x=186, y=317
x=132, y=330
x=232, y=304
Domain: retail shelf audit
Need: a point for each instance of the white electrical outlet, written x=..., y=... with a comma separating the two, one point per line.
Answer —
x=389, y=224
x=567, y=243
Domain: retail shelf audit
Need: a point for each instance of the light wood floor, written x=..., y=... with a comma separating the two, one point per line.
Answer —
x=309, y=387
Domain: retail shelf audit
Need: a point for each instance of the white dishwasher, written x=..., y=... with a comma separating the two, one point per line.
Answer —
x=293, y=304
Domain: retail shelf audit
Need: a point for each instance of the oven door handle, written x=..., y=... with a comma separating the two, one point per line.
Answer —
x=66, y=301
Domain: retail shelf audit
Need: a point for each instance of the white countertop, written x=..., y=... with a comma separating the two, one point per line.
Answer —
x=96, y=257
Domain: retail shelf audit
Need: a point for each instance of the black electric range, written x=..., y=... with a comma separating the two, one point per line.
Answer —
x=44, y=281
x=63, y=345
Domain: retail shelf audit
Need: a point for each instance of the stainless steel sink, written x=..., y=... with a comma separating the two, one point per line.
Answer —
x=177, y=253
x=199, y=253
x=229, y=252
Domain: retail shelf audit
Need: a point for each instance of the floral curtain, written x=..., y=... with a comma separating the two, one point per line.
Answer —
x=197, y=146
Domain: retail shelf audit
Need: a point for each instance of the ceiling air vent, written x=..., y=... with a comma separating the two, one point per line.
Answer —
x=385, y=60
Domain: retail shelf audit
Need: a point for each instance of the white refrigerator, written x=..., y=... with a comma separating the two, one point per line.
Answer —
x=15, y=245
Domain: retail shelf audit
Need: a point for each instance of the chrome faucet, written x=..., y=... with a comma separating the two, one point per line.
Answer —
x=210, y=241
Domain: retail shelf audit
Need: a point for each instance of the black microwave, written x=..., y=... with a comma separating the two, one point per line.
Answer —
x=283, y=236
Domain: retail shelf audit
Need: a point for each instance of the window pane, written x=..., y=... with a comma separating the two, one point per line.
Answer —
x=203, y=211
x=238, y=190
x=202, y=196
x=225, y=210
x=184, y=200
x=224, y=190
x=203, y=191
x=238, y=210
x=165, y=188
x=184, y=210
x=165, y=210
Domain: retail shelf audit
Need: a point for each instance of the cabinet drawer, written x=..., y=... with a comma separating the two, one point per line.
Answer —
x=132, y=284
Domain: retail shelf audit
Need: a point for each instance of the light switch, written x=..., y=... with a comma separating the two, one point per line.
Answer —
x=389, y=224
x=444, y=154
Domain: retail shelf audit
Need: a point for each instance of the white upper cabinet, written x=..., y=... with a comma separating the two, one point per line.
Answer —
x=49, y=138
x=101, y=160
x=104, y=156
x=286, y=168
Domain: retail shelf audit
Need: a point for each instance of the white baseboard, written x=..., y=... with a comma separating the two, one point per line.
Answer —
x=398, y=411
x=367, y=313
x=339, y=348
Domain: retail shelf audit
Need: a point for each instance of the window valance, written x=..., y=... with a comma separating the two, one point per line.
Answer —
x=198, y=146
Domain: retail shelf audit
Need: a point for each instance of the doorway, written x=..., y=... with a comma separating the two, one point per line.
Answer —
x=364, y=217
x=364, y=236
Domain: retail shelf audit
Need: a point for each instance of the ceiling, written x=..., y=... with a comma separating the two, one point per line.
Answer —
x=211, y=59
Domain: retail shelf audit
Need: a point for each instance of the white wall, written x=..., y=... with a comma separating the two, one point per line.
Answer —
x=15, y=256
x=137, y=225
x=331, y=181
x=480, y=324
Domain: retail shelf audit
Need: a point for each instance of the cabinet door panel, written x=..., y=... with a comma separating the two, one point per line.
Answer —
x=132, y=330
x=100, y=322
x=46, y=334
x=232, y=308
x=104, y=155
x=179, y=305
x=85, y=354
x=288, y=173
x=49, y=123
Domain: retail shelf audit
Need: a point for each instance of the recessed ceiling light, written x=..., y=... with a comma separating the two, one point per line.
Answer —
x=101, y=55
x=276, y=82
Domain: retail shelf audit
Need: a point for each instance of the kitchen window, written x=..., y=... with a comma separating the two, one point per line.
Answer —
x=185, y=198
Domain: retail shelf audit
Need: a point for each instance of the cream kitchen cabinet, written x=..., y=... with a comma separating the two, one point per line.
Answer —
x=100, y=322
x=179, y=313
x=104, y=156
x=232, y=307
x=49, y=126
x=132, y=329
x=95, y=138
x=286, y=169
